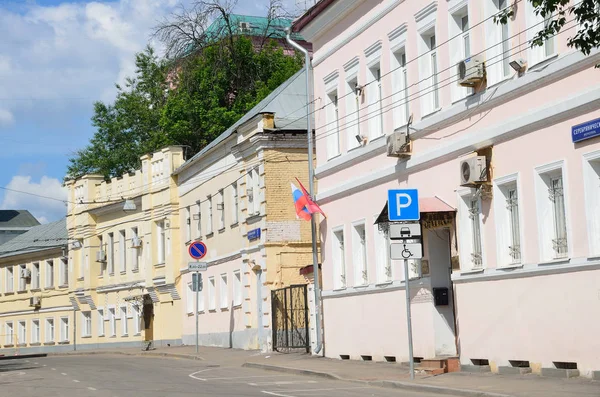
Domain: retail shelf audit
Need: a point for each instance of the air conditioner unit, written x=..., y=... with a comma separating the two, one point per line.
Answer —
x=398, y=145
x=25, y=273
x=471, y=71
x=35, y=301
x=245, y=26
x=473, y=171
x=101, y=256
x=136, y=242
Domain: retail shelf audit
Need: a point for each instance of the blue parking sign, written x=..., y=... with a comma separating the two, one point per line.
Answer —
x=403, y=205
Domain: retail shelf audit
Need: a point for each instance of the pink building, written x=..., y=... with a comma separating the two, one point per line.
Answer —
x=510, y=204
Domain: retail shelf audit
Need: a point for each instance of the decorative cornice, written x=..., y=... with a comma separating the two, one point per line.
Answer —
x=331, y=77
x=351, y=63
x=424, y=12
x=373, y=48
x=394, y=34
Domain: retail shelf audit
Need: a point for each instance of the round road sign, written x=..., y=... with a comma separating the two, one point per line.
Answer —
x=197, y=250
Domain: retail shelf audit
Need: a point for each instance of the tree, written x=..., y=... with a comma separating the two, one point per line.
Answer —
x=558, y=13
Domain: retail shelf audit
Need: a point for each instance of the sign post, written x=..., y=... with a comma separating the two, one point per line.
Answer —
x=197, y=250
x=403, y=206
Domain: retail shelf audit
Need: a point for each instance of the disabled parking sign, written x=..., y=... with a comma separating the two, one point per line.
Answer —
x=403, y=205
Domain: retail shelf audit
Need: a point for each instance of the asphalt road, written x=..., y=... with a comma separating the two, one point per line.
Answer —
x=120, y=376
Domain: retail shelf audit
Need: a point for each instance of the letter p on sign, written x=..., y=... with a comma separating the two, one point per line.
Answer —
x=403, y=205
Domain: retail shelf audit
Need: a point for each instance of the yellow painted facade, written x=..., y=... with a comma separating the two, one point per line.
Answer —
x=126, y=280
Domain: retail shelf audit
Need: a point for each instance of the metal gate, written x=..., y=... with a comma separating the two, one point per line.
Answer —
x=290, y=318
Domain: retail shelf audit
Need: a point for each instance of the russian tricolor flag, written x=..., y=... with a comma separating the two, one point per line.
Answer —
x=304, y=204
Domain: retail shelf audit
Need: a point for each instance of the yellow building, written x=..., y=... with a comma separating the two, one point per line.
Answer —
x=36, y=314
x=126, y=273
x=235, y=196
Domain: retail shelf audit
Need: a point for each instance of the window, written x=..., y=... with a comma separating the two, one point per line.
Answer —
x=428, y=65
x=400, y=108
x=352, y=116
x=100, y=322
x=10, y=279
x=64, y=329
x=535, y=23
x=339, y=259
x=237, y=287
x=497, y=42
x=188, y=224
x=137, y=320
x=22, y=333
x=82, y=263
x=102, y=248
x=22, y=280
x=235, y=207
x=111, y=254
x=470, y=225
x=49, y=330
x=112, y=321
x=374, y=96
x=124, y=324
x=86, y=324
x=224, y=292
x=35, y=276
x=552, y=216
x=359, y=254
x=221, y=209
x=64, y=272
x=382, y=254
x=592, y=200
x=209, y=220
x=200, y=301
x=508, y=221
x=160, y=243
x=460, y=47
x=332, y=130
x=122, y=251
x=212, y=304
x=252, y=187
x=136, y=252
x=35, y=331
x=190, y=299
x=9, y=333
x=198, y=217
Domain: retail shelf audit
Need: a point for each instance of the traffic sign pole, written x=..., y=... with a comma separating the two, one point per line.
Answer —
x=197, y=306
x=411, y=359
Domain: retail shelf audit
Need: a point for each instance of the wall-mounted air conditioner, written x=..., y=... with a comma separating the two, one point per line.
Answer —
x=101, y=256
x=398, y=145
x=473, y=171
x=471, y=71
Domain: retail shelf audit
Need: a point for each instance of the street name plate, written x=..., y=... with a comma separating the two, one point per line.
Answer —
x=197, y=266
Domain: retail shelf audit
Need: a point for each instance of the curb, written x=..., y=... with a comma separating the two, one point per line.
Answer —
x=140, y=354
x=23, y=356
x=380, y=383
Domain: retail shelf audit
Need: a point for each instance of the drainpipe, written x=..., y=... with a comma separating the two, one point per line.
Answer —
x=311, y=177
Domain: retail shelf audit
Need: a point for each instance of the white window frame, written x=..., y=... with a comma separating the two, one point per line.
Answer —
x=212, y=299
x=535, y=23
x=35, y=330
x=124, y=321
x=460, y=45
x=429, y=67
x=161, y=244
x=81, y=260
x=253, y=192
x=35, y=275
x=383, y=261
x=352, y=104
x=332, y=127
x=400, y=107
x=498, y=42
x=359, y=253
x=49, y=273
x=64, y=272
x=237, y=288
x=10, y=279
x=22, y=281
x=64, y=329
x=190, y=294
x=507, y=254
x=22, y=332
x=374, y=89
x=9, y=332
x=199, y=216
x=123, y=251
x=50, y=330
x=235, y=203
x=112, y=321
x=221, y=209
x=209, y=220
x=200, y=300
x=136, y=253
x=224, y=290
x=591, y=173
x=339, y=256
x=545, y=214
x=188, y=224
x=468, y=259
x=103, y=265
x=137, y=324
x=111, y=253
x=86, y=323
x=101, y=320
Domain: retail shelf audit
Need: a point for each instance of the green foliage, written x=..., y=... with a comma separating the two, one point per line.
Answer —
x=558, y=14
x=213, y=89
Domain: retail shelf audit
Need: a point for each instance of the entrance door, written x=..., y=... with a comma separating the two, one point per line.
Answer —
x=148, y=322
x=440, y=270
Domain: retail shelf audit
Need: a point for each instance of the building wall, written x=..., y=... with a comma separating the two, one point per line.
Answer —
x=525, y=119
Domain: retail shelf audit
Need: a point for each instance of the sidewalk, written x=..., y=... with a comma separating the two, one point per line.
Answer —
x=394, y=375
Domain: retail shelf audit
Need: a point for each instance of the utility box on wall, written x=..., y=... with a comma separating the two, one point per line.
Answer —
x=440, y=296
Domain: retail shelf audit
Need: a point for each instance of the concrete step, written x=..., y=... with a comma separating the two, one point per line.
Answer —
x=431, y=370
x=434, y=363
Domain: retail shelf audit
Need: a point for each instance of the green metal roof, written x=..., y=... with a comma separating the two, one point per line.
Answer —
x=258, y=26
x=38, y=238
x=17, y=218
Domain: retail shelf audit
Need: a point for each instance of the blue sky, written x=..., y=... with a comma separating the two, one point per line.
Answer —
x=59, y=58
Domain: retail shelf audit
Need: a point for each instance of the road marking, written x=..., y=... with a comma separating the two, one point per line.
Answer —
x=312, y=390
x=44, y=365
x=246, y=377
x=91, y=388
x=276, y=394
x=75, y=380
x=36, y=363
x=62, y=373
x=192, y=375
x=283, y=382
x=53, y=369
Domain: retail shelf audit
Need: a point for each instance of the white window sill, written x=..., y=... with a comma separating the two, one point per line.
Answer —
x=235, y=224
x=353, y=148
x=383, y=283
x=64, y=342
x=160, y=265
x=472, y=271
x=511, y=266
x=542, y=64
x=340, y=289
x=46, y=344
x=124, y=335
x=224, y=308
x=86, y=336
x=561, y=261
x=499, y=82
x=137, y=334
x=237, y=305
x=434, y=111
x=101, y=336
x=335, y=156
x=123, y=272
x=377, y=138
x=221, y=230
x=361, y=286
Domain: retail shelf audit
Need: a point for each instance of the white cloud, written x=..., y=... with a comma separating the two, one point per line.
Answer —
x=6, y=118
x=44, y=209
